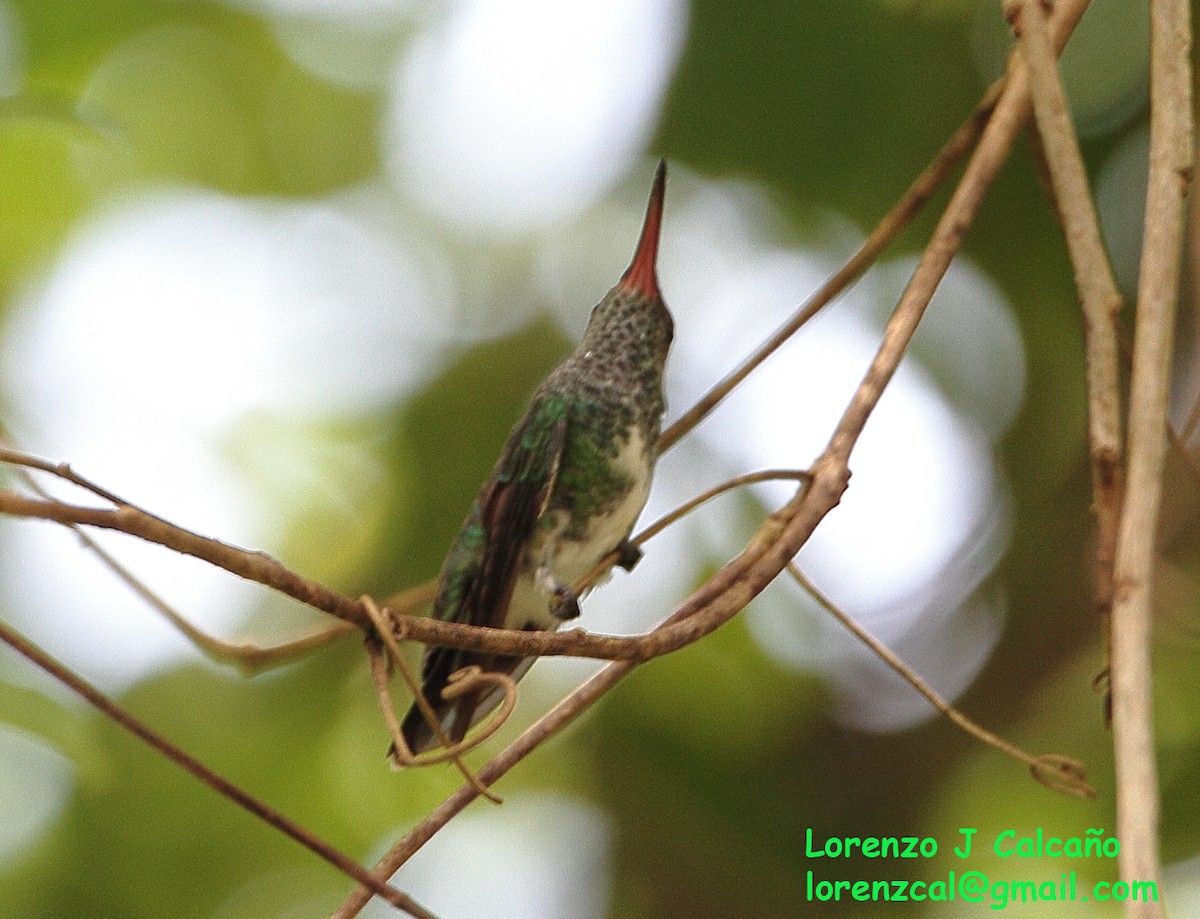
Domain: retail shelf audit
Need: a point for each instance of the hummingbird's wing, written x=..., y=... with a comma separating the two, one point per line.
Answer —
x=482, y=568
x=512, y=506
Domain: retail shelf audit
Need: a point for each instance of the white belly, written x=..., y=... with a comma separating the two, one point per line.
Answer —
x=565, y=561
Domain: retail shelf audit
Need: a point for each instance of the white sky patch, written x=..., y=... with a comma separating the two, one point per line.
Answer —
x=166, y=330
x=539, y=855
x=34, y=785
x=510, y=115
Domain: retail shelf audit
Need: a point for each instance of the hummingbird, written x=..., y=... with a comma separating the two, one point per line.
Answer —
x=565, y=493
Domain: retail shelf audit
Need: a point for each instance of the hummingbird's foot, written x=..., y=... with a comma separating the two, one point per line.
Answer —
x=567, y=604
x=628, y=554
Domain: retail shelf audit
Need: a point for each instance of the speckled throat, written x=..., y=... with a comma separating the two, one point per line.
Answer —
x=618, y=364
x=612, y=385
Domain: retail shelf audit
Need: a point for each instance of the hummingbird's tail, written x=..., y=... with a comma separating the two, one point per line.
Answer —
x=457, y=716
x=416, y=730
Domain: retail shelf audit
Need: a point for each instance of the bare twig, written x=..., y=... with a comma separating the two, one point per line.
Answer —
x=259, y=567
x=262, y=568
x=1098, y=294
x=248, y=658
x=549, y=724
x=214, y=781
x=740, y=481
x=60, y=470
x=1051, y=769
x=1171, y=160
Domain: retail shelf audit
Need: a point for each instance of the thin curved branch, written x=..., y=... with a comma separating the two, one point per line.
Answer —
x=1061, y=773
x=265, y=570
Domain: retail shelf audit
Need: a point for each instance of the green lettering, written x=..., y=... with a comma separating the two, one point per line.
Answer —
x=1144, y=891
x=1026, y=889
x=967, y=832
x=999, y=894
x=808, y=845
x=998, y=846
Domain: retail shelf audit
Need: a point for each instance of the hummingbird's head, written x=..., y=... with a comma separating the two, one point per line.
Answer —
x=639, y=283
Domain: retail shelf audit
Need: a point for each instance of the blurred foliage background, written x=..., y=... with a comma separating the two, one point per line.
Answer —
x=259, y=273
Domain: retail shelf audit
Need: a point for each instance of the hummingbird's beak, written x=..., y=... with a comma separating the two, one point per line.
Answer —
x=639, y=277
